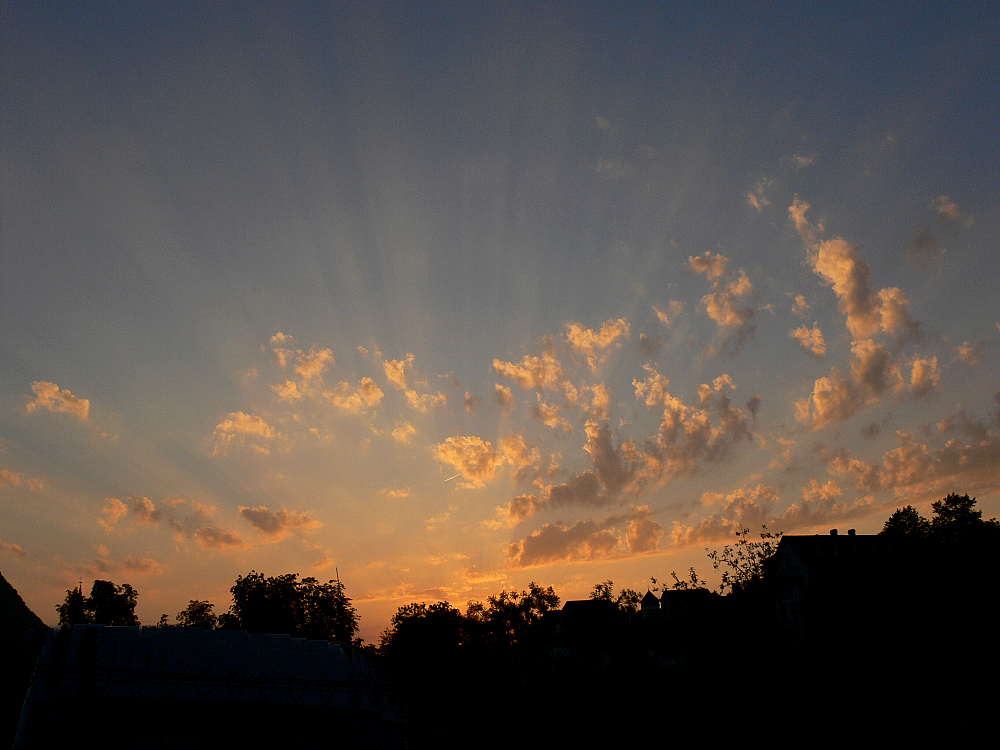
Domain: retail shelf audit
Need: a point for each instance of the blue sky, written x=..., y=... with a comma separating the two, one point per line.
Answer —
x=452, y=297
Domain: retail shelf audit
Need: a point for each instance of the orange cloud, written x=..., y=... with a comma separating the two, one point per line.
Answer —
x=587, y=341
x=276, y=523
x=356, y=399
x=52, y=398
x=810, y=339
x=534, y=373
x=243, y=429
x=13, y=479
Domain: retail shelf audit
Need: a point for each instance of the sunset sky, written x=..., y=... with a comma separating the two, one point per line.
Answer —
x=448, y=298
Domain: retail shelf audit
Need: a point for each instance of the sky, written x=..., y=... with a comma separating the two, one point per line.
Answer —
x=443, y=298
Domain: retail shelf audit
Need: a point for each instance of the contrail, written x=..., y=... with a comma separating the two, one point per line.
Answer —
x=450, y=478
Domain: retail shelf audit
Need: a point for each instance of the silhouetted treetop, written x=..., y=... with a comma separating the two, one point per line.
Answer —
x=284, y=604
x=906, y=523
x=107, y=604
x=198, y=614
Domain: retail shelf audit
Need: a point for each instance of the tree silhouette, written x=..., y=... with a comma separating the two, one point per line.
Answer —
x=73, y=610
x=198, y=614
x=906, y=523
x=107, y=604
x=743, y=562
x=284, y=604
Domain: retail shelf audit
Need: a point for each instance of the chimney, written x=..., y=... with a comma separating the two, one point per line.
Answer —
x=833, y=532
x=850, y=532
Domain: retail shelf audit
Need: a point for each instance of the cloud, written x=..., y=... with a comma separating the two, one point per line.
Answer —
x=588, y=342
x=502, y=394
x=756, y=197
x=583, y=490
x=550, y=415
x=403, y=432
x=924, y=250
x=396, y=370
x=643, y=535
x=674, y=309
x=584, y=540
x=754, y=507
x=478, y=460
x=471, y=403
x=839, y=263
x=925, y=377
x=949, y=214
x=143, y=566
x=745, y=508
x=836, y=398
x=364, y=396
x=713, y=265
x=196, y=523
x=276, y=523
x=308, y=365
x=405, y=492
x=799, y=305
x=810, y=339
x=289, y=391
x=13, y=479
x=12, y=550
x=799, y=161
x=969, y=353
x=917, y=471
x=534, y=373
x=725, y=304
x=248, y=430
x=52, y=398
x=688, y=435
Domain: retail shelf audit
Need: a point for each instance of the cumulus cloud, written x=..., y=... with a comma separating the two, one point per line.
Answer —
x=14, y=479
x=403, y=432
x=713, y=265
x=837, y=398
x=756, y=197
x=583, y=490
x=726, y=303
x=308, y=365
x=688, y=435
x=924, y=250
x=584, y=540
x=669, y=317
x=534, y=373
x=477, y=459
x=248, y=430
x=588, y=342
x=810, y=339
x=799, y=305
x=754, y=507
x=949, y=214
x=925, y=377
x=355, y=399
x=969, y=353
x=799, y=161
x=550, y=415
x=471, y=403
x=51, y=397
x=502, y=394
x=276, y=523
x=745, y=508
x=839, y=263
x=187, y=520
x=396, y=371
